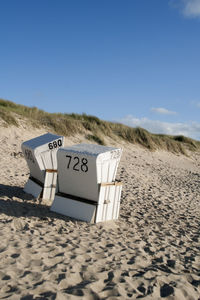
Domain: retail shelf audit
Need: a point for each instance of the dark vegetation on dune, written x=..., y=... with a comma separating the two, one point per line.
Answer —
x=93, y=128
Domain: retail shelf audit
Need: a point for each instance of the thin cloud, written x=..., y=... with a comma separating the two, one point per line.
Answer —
x=187, y=129
x=38, y=94
x=189, y=8
x=163, y=111
x=195, y=104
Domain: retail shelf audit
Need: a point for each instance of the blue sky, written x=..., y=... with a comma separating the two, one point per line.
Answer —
x=131, y=61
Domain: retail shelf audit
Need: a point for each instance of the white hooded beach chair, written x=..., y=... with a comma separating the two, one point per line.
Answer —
x=87, y=189
x=40, y=154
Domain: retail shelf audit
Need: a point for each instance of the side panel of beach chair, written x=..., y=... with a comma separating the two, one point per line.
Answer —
x=109, y=202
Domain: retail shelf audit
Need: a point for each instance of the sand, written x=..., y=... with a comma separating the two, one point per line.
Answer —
x=151, y=252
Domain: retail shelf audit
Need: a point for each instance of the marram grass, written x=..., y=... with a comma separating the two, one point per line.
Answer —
x=93, y=128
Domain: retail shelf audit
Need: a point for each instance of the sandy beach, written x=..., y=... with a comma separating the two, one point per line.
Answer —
x=151, y=252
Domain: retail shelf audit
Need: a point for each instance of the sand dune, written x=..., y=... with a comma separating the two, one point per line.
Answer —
x=151, y=252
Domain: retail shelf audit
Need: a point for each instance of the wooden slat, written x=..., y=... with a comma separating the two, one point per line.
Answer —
x=51, y=171
x=72, y=197
x=111, y=183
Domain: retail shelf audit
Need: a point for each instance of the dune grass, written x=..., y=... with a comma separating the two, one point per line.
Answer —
x=93, y=128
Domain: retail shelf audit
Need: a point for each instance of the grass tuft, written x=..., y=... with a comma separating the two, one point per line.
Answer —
x=96, y=139
x=7, y=117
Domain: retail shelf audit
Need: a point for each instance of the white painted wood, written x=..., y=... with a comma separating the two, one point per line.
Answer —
x=83, y=170
x=48, y=194
x=75, y=209
x=41, y=154
x=106, y=209
x=50, y=185
x=50, y=179
x=33, y=188
x=77, y=183
x=109, y=204
x=82, y=167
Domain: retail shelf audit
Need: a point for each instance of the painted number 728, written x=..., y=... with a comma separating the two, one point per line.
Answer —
x=77, y=164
